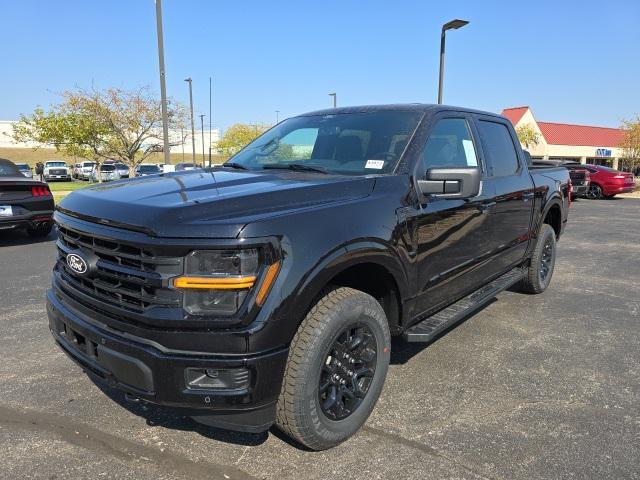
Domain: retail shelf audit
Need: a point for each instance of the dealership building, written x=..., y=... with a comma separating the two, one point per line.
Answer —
x=564, y=141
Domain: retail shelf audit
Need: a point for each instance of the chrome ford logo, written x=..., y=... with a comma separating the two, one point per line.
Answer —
x=77, y=263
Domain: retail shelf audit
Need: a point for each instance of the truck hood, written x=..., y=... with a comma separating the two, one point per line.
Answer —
x=209, y=204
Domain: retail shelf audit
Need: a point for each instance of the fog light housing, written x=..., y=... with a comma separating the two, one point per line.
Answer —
x=216, y=378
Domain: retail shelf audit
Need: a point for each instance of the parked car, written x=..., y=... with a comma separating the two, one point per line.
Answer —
x=83, y=170
x=185, y=166
x=580, y=177
x=145, y=169
x=56, y=170
x=24, y=203
x=106, y=173
x=122, y=169
x=268, y=290
x=607, y=182
x=25, y=169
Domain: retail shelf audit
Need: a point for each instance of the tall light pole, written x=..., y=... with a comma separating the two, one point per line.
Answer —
x=335, y=99
x=209, y=123
x=193, y=128
x=202, y=130
x=163, y=86
x=452, y=25
x=277, y=117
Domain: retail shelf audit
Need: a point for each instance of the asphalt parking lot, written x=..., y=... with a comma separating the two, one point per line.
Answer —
x=531, y=387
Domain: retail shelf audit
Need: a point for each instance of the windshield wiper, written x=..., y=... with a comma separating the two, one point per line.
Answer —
x=234, y=165
x=301, y=167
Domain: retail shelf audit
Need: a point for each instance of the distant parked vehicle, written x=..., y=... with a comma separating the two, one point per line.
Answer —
x=580, y=177
x=607, y=182
x=122, y=169
x=180, y=167
x=25, y=169
x=106, y=173
x=56, y=170
x=145, y=169
x=83, y=170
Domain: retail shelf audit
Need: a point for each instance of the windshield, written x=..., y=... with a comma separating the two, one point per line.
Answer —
x=107, y=168
x=8, y=169
x=88, y=164
x=121, y=166
x=347, y=143
x=148, y=169
x=56, y=164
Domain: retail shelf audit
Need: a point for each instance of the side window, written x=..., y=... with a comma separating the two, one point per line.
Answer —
x=450, y=145
x=499, y=150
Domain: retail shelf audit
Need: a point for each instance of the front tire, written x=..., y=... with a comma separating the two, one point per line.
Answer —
x=337, y=365
x=538, y=274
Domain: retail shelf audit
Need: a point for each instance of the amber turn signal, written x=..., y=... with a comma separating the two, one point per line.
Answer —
x=212, y=283
x=270, y=276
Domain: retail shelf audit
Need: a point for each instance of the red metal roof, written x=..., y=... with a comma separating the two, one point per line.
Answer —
x=566, y=134
x=515, y=114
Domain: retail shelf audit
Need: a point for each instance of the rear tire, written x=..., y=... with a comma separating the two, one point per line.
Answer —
x=322, y=416
x=595, y=192
x=538, y=274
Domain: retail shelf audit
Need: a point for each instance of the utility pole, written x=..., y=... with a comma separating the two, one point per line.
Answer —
x=163, y=86
x=193, y=128
x=335, y=99
x=202, y=130
x=452, y=25
x=209, y=123
x=182, y=141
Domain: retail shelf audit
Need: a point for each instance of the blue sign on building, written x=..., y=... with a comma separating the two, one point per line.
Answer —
x=603, y=152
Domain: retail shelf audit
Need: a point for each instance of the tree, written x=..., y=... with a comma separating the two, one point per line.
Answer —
x=630, y=143
x=238, y=136
x=527, y=135
x=114, y=124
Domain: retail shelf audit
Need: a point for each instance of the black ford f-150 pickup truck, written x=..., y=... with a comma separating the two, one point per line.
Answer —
x=266, y=290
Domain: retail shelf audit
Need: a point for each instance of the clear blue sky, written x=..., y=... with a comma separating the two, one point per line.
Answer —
x=570, y=61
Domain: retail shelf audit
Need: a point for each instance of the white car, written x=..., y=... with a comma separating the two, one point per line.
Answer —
x=108, y=173
x=56, y=170
x=83, y=170
x=145, y=169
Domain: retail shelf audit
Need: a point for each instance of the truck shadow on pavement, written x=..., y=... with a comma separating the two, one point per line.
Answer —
x=158, y=416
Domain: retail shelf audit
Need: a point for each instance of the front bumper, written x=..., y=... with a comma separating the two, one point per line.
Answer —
x=150, y=374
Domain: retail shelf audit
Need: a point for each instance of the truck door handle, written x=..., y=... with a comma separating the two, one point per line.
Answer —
x=484, y=208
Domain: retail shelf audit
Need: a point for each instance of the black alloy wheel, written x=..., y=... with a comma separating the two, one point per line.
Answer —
x=347, y=372
x=547, y=259
x=595, y=192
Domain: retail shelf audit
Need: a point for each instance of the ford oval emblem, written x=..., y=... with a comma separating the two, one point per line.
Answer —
x=77, y=263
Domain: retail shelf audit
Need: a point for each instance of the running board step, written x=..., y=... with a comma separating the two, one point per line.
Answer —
x=430, y=327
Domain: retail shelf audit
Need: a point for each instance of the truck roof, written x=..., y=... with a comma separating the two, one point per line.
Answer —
x=400, y=107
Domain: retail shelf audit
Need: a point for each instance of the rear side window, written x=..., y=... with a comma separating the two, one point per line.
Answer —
x=498, y=148
x=449, y=145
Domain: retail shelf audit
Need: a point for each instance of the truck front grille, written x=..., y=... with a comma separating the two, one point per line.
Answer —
x=58, y=171
x=127, y=277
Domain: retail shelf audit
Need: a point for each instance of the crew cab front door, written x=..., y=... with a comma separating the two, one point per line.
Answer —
x=450, y=234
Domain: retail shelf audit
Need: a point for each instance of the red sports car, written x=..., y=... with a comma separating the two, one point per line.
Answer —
x=607, y=182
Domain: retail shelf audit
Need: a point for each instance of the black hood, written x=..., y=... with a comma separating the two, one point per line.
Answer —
x=209, y=203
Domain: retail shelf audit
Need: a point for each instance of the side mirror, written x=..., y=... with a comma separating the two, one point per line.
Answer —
x=451, y=182
x=527, y=157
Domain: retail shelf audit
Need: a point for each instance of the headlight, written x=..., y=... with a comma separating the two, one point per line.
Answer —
x=217, y=282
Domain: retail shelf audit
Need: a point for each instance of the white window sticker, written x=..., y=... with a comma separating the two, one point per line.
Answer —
x=470, y=153
x=6, y=211
x=375, y=164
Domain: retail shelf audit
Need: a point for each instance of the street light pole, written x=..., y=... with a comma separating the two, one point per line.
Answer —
x=193, y=128
x=202, y=130
x=335, y=99
x=452, y=25
x=163, y=86
x=209, y=123
x=277, y=116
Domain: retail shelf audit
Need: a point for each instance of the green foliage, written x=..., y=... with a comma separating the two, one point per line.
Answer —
x=238, y=136
x=527, y=135
x=631, y=143
x=101, y=124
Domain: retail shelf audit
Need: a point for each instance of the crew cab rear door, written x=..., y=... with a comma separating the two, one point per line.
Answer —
x=508, y=175
x=450, y=234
